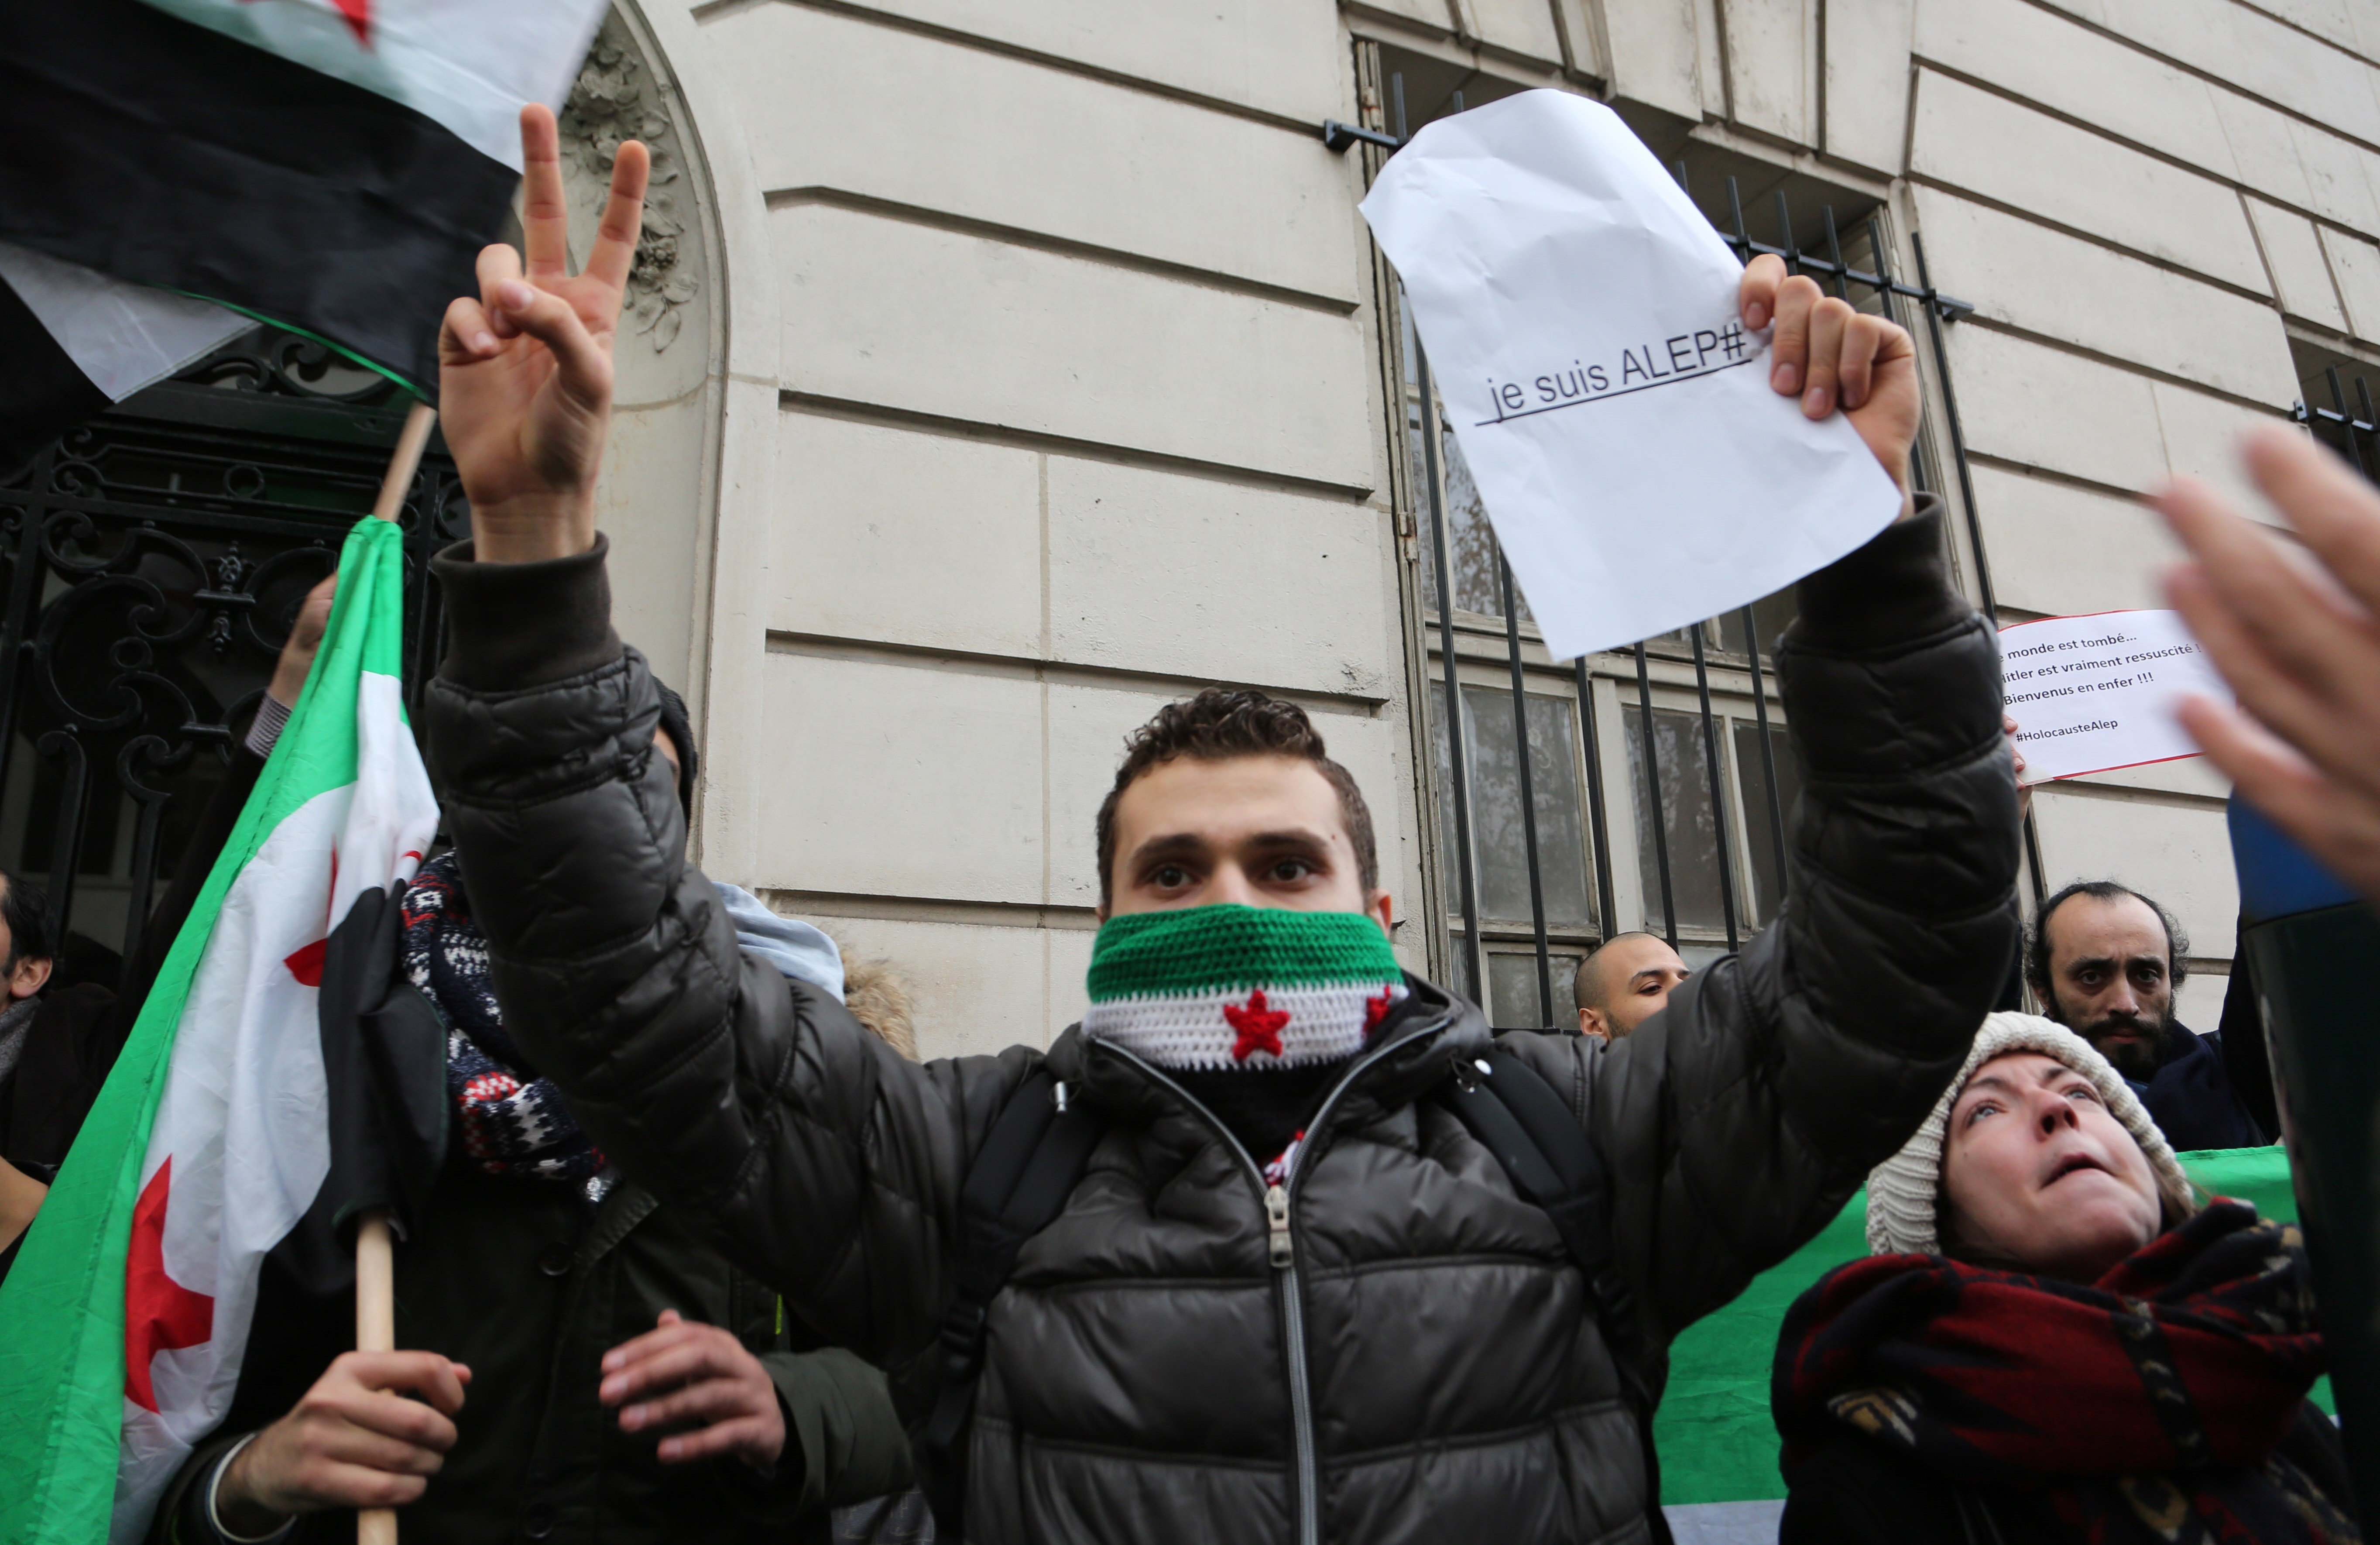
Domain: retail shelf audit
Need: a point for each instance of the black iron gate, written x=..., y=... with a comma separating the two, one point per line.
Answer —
x=152, y=561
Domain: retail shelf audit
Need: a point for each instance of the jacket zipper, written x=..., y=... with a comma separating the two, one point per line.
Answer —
x=1281, y=1250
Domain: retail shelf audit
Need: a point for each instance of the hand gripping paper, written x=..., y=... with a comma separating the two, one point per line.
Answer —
x=1581, y=318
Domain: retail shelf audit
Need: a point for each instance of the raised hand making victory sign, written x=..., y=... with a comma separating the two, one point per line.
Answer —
x=524, y=370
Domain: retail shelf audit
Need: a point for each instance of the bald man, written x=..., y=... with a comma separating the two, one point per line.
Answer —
x=1623, y=983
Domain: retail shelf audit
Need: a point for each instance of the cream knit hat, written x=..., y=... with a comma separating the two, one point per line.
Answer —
x=1903, y=1191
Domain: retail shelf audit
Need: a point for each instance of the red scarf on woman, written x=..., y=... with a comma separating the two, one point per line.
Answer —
x=2145, y=1405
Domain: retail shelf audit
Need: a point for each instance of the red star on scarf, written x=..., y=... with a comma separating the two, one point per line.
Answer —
x=1377, y=1009
x=1259, y=1027
x=356, y=14
x=160, y=1314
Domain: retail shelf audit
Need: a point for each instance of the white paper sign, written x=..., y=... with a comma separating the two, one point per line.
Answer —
x=1580, y=315
x=2094, y=693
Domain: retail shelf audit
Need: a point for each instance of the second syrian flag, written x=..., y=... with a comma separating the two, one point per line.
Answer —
x=331, y=166
x=127, y=1314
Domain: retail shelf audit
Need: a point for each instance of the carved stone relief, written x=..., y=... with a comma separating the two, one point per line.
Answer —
x=617, y=98
x=655, y=499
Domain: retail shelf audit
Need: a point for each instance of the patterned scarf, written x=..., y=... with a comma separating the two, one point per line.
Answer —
x=1240, y=987
x=511, y=1126
x=2142, y=1407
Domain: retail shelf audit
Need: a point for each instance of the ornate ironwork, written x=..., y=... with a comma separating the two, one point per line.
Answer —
x=151, y=563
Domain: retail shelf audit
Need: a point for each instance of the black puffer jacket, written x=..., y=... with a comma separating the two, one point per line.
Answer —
x=1425, y=1370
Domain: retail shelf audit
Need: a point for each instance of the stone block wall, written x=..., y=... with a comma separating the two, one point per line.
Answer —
x=1053, y=396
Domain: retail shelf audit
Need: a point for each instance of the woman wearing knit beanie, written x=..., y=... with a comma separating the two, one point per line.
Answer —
x=2054, y=1340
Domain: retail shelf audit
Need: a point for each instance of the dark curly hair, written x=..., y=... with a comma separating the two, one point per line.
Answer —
x=2036, y=953
x=1219, y=723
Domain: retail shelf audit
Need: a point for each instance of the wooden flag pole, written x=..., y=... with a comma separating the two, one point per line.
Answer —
x=375, y=1272
x=375, y=1331
x=411, y=441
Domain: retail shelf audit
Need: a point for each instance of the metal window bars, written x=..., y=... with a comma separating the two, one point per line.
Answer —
x=2354, y=433
x=1875, y=288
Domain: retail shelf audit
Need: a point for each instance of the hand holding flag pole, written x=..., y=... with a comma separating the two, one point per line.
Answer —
x=375, y=1269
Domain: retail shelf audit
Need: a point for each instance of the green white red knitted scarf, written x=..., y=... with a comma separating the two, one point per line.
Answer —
x=1221, y=987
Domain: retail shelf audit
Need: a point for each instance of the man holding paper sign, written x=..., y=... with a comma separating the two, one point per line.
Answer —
x=1288, y=1283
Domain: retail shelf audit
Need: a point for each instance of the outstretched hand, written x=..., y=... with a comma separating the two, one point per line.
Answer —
x=1829, y=354
x=525, y=370
x=2299, y=646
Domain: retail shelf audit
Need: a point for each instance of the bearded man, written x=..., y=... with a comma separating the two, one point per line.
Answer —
x=2105, y=961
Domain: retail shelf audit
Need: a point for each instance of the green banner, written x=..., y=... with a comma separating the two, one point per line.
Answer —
x=1717, y=1442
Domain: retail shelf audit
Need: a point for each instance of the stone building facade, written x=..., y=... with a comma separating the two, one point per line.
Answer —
x=1000, y=372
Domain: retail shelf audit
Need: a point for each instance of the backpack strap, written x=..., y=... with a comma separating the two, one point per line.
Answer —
x=1019, y=1183
x=1511, y=1110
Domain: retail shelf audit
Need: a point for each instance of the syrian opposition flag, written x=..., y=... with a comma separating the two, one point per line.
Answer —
x=127, y=1314
x=74, y=341
x=331, y=166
